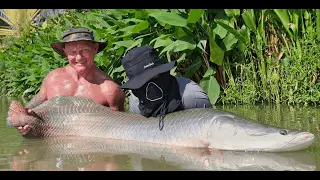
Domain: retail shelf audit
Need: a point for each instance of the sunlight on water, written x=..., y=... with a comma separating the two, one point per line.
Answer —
x=83, y=154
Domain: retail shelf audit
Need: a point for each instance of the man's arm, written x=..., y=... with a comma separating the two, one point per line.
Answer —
x=35, y=101
x=134, y=104
x=115, y=96
x=38, y=99
x=192, y=95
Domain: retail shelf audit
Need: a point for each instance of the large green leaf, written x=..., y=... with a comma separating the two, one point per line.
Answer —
x=127, y=21
x=216, y=53
x=209, y=73
x=193, y=68
x=232, y=12
x=126, y=11
x=150, y=11
x=119, y=69
x=163, y=42
x=219, y=30
x=211, y=86
x=58, y=31
x=249, y=20
x=14, y=19
x=141, y=14
x=162, y=23
x=245, y=33
x=136, y=43
x=175, y=11
x=169, y=18
x=162, y=36
x=284, y=18
x=194, y=15
x=232, y=30
x=140, y=26
x=128, y=28
x=229, y=42
x=202, y=45
x=126, y=36
x=180, y=45
x=181, y=58
x=126, y=44
x=180, y=32
x=69, y=24
x=143, y=35
x=115, y=13
x=112, y=30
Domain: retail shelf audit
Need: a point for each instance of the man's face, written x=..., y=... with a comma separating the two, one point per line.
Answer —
x=80, y=55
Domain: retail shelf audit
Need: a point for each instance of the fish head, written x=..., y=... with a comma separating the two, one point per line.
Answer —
x=234, y=133
x=289, y=140
x=273, y=139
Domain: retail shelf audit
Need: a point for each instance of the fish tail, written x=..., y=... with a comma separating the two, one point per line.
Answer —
x=15, y=114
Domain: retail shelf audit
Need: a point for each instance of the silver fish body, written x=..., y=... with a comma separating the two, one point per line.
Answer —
x=198, y=128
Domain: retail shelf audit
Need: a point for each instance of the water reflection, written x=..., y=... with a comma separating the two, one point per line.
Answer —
x=86, y=154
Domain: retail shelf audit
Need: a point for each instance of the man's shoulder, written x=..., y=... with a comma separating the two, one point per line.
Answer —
x=183, y=80
x=58, y=71
x=109, y=83
x=53, y=74
x=186, y=83
x=192, y=95
x=109, y=86
x=102, y=75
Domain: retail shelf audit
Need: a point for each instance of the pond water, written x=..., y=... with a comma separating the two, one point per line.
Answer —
x=84, y=154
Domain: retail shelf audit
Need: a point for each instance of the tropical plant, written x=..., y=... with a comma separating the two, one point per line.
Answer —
x=237, y=55
x=15, y=19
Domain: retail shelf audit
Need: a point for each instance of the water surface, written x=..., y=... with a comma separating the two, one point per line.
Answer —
x=81, y=154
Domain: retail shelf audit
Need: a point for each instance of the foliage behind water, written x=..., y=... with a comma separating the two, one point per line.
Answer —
x=239, y=56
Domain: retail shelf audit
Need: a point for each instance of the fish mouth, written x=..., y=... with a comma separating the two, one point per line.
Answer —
x=301, y=141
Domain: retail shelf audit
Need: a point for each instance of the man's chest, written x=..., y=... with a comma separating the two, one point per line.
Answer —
x=73, y=88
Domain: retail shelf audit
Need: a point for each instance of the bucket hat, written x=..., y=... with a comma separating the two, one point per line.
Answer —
x=76, y=34
x=142, y=64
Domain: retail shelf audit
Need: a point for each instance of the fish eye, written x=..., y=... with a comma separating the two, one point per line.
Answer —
x=283, y=132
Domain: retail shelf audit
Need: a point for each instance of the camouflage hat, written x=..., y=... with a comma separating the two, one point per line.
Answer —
x=76, y=34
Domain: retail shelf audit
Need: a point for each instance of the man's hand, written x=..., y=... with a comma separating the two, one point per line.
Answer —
x=23, y=130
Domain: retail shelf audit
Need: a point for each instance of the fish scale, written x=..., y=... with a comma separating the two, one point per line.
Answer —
x=104, y=122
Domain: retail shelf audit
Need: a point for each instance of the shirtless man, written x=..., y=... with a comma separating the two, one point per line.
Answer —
x=81, y=77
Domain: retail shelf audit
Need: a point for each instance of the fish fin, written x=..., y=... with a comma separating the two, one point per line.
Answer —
x=15, y=111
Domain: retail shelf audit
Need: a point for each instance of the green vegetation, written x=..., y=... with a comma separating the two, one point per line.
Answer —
x=238, y=56
x=12, y=21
